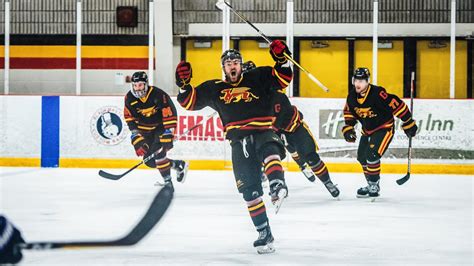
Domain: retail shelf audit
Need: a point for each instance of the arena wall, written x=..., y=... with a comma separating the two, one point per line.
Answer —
x=88, y=131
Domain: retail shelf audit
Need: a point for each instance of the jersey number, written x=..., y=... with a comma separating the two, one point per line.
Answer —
x=277, y=108
x=166, y=112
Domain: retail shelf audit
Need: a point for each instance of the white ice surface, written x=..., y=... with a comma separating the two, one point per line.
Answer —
x=429, y=220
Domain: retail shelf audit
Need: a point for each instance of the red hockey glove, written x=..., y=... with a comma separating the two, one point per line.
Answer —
x=184, y=73
x=349, y=134
x=278, y=49
x=139, y=143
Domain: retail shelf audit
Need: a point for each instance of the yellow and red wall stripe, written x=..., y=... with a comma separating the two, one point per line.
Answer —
x=59, y=52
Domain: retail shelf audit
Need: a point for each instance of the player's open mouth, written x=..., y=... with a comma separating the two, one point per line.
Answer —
x=233, y=73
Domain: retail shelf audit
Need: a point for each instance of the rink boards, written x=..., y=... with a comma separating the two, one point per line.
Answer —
x=89, y=131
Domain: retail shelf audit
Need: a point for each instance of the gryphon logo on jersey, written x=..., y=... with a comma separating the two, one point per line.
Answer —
x=235, y=95
x=365, y=112
x=107, y=126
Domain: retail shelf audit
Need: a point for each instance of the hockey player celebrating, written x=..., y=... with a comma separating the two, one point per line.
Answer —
x=152, y=118
x=10, y=238
x=297, y=137
x=242, y=101
x=375, y=109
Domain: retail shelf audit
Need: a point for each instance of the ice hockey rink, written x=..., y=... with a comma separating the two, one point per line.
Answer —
x=428, y=220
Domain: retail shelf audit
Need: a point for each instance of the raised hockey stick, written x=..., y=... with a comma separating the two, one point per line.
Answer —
x=404, y=179
x=221, y=5
x=155, y=212
x=151, y=156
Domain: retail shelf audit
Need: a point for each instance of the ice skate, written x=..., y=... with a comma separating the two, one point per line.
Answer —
x=278, y=192
x=264, y=242
x=181, y=168
x=308, y=173
x=374, y=190
x=332, y=188
x=167, y=182
x=363, y=192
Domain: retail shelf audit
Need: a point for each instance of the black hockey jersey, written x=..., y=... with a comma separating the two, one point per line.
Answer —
x=375, y=110
x=151, y=114
x=287, y=117
x=244, y=107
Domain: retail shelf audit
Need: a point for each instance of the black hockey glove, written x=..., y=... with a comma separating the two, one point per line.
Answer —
x=349, y=134
x=10, y=238
x=166, y=139
x=184, y=73
x=278, y=49
x=410, y=127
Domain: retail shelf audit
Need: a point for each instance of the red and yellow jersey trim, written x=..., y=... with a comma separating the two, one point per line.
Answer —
x=190, y=101
x=409, y=125
x=387, y=124
x=284, y=80
x=347, y=128
x=401, y=110
x=170, y=122
x=295, y=121
x=386, y=140
x=257, y=123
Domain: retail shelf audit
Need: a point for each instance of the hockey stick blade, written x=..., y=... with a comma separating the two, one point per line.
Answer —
x=404, y=179
x=109, y=175
x=155, y=212
x=117, y=177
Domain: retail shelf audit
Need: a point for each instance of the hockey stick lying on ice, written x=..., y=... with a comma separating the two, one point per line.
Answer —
x=151, y=156
x=404, y=179
x=155, y=212
x=221, y=5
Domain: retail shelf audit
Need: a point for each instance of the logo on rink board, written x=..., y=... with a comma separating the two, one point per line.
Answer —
x=107, y=126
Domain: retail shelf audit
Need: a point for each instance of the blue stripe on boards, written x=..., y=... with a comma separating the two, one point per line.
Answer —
x=50, y=131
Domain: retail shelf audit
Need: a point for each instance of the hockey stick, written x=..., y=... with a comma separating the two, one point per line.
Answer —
x=155, y=212
x=151, y=156
x=221, y=5
x=117, y=177
x=404, y=179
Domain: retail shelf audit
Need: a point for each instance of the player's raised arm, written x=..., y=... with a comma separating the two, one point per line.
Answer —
x=189, y=97
x=281, y=72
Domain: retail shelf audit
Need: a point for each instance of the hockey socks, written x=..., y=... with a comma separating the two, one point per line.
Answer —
x=258, y=212
x=164, y=166
x=321, y=171
x=274, y=171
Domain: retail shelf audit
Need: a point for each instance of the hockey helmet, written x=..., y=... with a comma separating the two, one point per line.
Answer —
x=361, y=73
x=231, y=54
x=247, y=66
x=137, y=77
